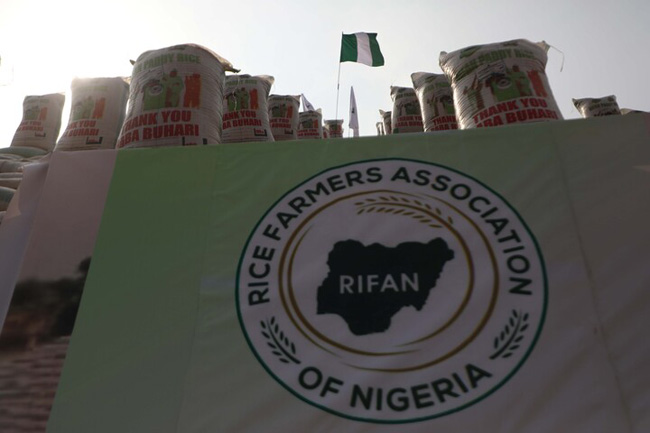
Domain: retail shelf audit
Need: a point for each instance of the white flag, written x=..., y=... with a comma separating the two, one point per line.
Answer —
x=354, y=118
x=306, y=105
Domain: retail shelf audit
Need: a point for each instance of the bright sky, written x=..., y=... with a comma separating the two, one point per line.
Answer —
x=45, y=43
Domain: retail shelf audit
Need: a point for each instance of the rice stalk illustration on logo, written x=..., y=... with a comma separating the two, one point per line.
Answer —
x=391, y=291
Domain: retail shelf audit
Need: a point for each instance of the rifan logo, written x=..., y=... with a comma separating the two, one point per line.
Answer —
x=391, y=291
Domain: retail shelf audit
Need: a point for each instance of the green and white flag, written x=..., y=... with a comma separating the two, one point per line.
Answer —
x=361, y=48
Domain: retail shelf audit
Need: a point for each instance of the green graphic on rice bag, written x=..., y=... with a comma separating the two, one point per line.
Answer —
x=411, y=108
x=473, y=93
x=242, y=99
x=32, y=112
x=154, y=95
x=279, y=111
x=163, y=93
x=83, y=109
x=513, y=84
x=174, y=86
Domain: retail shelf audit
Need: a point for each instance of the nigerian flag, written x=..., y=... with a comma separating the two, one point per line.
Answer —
x=361, y=48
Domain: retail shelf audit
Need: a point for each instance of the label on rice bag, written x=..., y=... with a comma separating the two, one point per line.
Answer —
x=406, y=116
x=500, y=84
x=175, y=98
x=283, y=116
x=386, y=120
x=595, y=107
x=96, y=115
x=246, y=114
x=436, y=101
x=310, y=125
x=334, y=128
x=41, y=121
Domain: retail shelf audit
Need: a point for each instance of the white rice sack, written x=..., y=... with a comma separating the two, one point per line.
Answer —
x=41, y=121
x=436, y=101
x=175, y=98
x=595, y=107
x=246, y=113
x=499, y=84
x=6, y=194
x=334, y=128
x=310, y=125
x=12, y=182
x=406, y=115
x=96, y=115
x=283, y=116
x=24, y=152
x=386, y=119
x=11, y=157
x=11, y=175
x=11, y=166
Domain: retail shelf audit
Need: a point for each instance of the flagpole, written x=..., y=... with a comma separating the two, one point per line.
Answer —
x=338, y=85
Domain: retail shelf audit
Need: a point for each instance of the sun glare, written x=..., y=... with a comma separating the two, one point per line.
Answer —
x=45, y=62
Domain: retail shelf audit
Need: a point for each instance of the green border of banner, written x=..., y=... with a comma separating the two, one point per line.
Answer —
x=369, y=420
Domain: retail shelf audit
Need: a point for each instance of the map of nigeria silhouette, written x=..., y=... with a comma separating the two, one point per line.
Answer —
x=368, y=285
